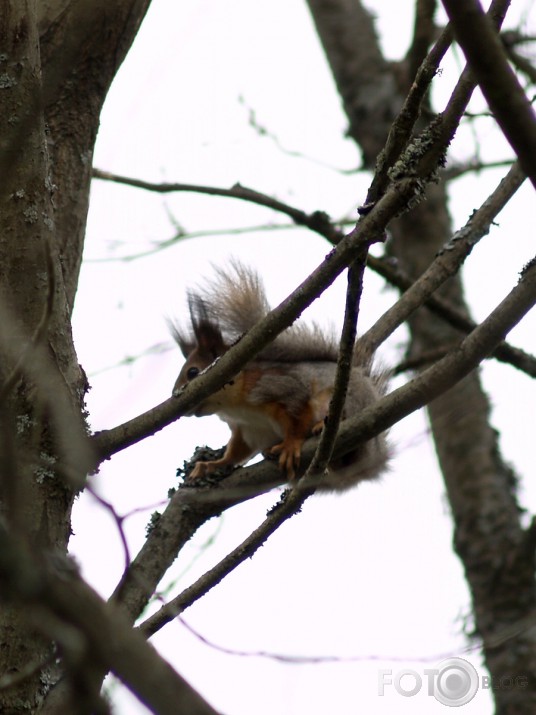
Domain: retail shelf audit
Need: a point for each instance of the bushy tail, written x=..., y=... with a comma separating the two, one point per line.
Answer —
x=236, y=298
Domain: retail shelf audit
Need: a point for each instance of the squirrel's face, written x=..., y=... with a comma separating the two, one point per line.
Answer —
x=229, y=396
x=197, y=361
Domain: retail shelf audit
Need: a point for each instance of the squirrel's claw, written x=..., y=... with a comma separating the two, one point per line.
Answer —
x=201, y=469
x=289, y=452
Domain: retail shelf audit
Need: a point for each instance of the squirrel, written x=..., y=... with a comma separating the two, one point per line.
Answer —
x=282, y=396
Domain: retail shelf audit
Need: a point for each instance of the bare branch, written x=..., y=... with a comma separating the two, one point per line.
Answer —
x=184, y=235
x=401, y=129
x=369, y=229
x=448, y=262
x=522, y=64
x=345, y=363
x=289, y=505
x=111, y=441
x=505, y=96
x=455, y=171
x=189, y=508
x=317, y=221
x=423, y=34
x=505, y=352
x=348, y=35
x=28, y=577
x=262, y=131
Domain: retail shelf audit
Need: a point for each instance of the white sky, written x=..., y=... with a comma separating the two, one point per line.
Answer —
x=370, y=573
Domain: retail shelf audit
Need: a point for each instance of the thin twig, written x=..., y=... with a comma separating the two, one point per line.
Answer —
x=505, y=352
x=289, y=504
x=455, y=171
x=504, y=635
x=393, y=275
x=262, y=131
x=401, y=129
x=345, y=364
x=183, y=235
x=424, y=30
x=317, y=221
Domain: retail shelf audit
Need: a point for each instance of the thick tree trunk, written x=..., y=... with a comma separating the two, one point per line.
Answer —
x=52, y=89
x=496, y=552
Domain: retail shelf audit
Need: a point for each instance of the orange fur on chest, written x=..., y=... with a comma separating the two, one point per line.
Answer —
x=237, y=394
x=234, y=394
x=259, y=426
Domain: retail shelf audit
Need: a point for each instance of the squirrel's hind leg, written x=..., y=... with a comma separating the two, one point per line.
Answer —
x=289, y=451
x=295, y=432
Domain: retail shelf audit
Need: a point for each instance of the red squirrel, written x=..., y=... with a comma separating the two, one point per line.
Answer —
x=282, y=396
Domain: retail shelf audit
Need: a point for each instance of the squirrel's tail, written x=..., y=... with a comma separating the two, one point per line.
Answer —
x=236, y=295
x=236, y=298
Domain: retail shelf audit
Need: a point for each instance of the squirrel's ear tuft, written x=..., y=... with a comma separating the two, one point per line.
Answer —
x=184, y=340
x=208, y=336
x=204, y=334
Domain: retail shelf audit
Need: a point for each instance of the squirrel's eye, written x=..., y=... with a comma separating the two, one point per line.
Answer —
x=192, y=372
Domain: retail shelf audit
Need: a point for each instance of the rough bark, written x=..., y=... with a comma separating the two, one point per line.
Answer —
x=57, y=62
x=496, y=552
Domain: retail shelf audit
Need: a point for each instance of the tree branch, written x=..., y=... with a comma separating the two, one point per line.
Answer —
x=447, y=263
x=290, y=504
x=189, y=508
x=423, y=34
x=317, y=221
x=53, y=588
x=401, y=129
x=345, y=364
x=407, y=180
x=485, y=53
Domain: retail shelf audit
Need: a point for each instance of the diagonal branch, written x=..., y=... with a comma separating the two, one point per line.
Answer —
x=291, y=501
x=485, y=53
x=182, y=516
x=111, y=441
x=289, y=505
x=417, y=165
x=345, y=364
x=448, y=262
x=59, y=598
x=402, y=127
